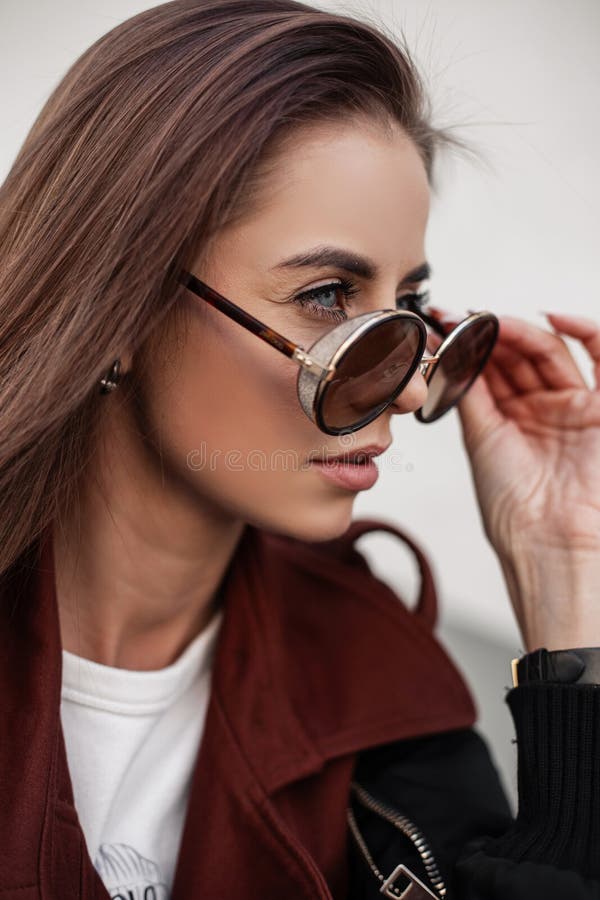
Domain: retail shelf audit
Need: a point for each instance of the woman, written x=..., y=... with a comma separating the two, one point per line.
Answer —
x=197, y=667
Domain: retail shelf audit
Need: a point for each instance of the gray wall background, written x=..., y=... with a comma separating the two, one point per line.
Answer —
x=516, y=232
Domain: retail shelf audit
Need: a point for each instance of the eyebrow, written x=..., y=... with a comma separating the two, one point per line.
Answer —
x=351, y=262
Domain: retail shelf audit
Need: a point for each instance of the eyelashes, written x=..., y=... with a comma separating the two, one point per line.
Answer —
x=307, y=299
x=419, y=299
x=415, y=301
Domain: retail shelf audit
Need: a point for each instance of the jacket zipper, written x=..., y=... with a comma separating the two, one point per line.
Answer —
x=404, y=824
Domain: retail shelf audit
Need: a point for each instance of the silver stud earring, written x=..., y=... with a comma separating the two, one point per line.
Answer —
x=112, y=378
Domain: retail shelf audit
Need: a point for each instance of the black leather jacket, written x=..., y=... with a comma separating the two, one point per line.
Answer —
x=448, y=788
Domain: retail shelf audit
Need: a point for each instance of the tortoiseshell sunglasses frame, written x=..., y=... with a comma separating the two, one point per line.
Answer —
x=311, y=392
x=324, y=372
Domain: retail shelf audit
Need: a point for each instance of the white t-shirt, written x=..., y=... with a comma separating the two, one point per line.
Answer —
x=132, y=739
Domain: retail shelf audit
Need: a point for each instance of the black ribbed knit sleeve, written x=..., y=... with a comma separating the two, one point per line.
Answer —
x=552, y=849
x=448, y=785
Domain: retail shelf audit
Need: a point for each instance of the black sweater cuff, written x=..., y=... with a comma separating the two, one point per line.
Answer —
x=557, y=730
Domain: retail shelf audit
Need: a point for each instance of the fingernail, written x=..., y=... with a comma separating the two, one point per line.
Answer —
x=584, y=320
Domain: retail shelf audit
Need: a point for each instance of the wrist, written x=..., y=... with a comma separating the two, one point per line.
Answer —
x=555, y=593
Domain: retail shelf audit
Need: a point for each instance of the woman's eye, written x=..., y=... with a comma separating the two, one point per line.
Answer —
x=324, y=300
x=414, y=302
x=321, y=300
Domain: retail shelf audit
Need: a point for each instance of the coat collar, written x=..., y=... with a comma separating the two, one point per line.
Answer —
x=316, y=661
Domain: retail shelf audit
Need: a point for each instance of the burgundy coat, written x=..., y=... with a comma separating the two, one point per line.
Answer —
x=317, y=660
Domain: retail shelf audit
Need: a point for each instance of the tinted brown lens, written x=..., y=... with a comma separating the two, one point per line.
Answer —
x=371, y=373
x=459, y=366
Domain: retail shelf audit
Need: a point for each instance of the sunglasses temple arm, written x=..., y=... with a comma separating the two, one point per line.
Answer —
x=433, y=323
x=248, y=321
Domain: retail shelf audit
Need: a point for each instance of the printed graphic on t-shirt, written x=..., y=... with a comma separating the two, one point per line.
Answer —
x=129, y=876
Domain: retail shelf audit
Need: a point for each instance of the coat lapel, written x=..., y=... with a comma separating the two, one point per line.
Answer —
x=316, y=660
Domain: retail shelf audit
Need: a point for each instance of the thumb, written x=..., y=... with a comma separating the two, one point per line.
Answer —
x=478, y=414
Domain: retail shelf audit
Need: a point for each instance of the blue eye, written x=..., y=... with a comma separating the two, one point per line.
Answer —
x=328, y=293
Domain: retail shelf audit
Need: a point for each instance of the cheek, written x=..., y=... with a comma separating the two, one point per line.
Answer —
x=229, y=430
x=227, y=394
x=246, y=391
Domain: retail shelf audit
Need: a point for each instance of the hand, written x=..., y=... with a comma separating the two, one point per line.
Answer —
x=531, y=427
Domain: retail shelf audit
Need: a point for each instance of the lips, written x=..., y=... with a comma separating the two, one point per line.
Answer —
x=353, y=476
x=356, y=459
x=359, y=456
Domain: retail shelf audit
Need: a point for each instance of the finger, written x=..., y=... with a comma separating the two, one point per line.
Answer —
x=545, y=350
x=517, y=370
x=584, y=330
x=479, y=412
x=572, y=409
x=499, y=386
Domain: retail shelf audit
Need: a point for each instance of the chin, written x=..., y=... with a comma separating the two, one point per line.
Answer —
x=323, y=523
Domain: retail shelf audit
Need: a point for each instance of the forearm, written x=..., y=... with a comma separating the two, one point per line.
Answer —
x=556, y=596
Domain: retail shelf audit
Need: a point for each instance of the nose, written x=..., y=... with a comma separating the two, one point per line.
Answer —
x=412, y=396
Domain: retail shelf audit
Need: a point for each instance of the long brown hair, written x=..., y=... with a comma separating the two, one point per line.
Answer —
x=151, y=143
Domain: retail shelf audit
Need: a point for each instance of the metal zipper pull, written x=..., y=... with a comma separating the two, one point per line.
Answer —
x=417, y=890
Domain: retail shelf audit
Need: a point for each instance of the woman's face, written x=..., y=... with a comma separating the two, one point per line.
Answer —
x=224, y=408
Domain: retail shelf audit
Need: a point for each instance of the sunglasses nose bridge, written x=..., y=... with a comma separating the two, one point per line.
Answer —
x=412, y=396
x=428, y=365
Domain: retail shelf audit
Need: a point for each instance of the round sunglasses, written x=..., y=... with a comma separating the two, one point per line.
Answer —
x=351, y=374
